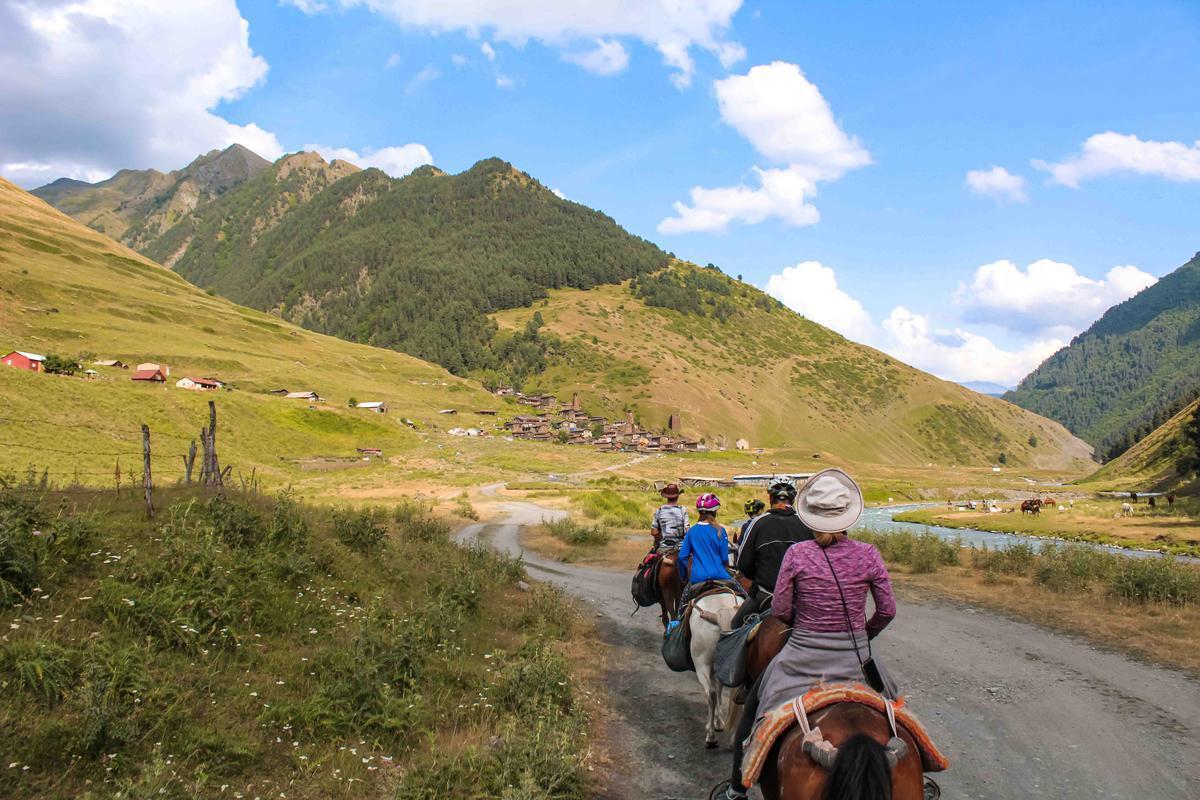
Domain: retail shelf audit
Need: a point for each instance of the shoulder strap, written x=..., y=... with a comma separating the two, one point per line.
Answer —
x=846, y=611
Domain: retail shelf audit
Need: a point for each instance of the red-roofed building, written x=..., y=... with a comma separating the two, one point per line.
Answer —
x=149, y=376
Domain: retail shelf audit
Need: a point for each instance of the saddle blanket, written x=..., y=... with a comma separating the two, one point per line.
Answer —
x=777, y=721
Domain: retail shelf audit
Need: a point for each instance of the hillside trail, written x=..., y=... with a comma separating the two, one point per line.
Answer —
x=1021, y=711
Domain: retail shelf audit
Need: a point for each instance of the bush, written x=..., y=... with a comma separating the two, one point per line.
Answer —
x=613, y=508
x=44, y=669
x=464, y=508
x=924, y=552
x=1072, y=568
x=1017, y=559
x=288, y=527
x=1157, y=580
x=363, y=531
x=73, y=537
x=22, y=544
x=571, y=532
x=537, y=678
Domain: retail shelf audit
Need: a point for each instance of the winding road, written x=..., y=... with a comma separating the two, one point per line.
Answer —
x=1021, y=711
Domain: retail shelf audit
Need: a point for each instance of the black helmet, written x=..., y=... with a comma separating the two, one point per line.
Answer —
x=782, y=488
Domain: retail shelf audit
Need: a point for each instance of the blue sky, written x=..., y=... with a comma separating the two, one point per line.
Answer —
x=835, y=139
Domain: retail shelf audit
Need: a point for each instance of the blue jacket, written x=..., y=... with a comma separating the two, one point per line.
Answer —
x=708, y=547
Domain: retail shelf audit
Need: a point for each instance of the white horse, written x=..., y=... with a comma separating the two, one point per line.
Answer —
x=709, y=617
x=1126, y=510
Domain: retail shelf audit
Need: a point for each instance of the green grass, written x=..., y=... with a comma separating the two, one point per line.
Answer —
x=923, y=553
x=571, y=532
x=270, y=647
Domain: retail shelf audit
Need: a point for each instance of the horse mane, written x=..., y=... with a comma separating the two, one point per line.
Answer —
x=860, y=772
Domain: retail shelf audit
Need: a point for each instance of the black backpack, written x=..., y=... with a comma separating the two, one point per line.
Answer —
x=645, y=581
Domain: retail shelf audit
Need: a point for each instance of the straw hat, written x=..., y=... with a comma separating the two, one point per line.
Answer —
x=830, y=502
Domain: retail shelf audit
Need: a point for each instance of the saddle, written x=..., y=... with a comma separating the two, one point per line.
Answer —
x=776, y=722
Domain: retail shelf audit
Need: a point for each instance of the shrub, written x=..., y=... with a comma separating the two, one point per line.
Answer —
x=73, y=537
x=537, y=678
x=1016, y=559
x=924, y=552
x=363, y=531
x=612, y=508
x=22, y=544
x=1158, y=580
x=288, y=527
x=1072, y=568
x=464, y=508
x=571, y=532
x=113, y=678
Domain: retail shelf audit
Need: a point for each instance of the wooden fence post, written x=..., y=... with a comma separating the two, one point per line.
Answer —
x=188, y=461
x=117, y=476
x=146, y=470
x=217, y=475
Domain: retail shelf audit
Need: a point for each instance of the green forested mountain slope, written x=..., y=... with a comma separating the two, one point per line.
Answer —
x=1130, y=371
x=1161, y=460
x=136, y=206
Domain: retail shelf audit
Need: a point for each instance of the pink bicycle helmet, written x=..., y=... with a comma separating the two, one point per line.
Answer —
x=708, y=502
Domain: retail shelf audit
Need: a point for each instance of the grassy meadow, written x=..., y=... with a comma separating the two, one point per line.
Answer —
x=255, y=646
x=1173, y=529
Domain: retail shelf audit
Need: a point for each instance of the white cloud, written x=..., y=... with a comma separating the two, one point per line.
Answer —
x=307, y=6
x=787, y=120
x=557, y=193
x=393, y=61
x=997, y=182
x=1121, y=154
x=459, y=60
x=428, y=74
x=488, y=51
x=960, y=355
x=1048, y=296
x=608, y=57
x=810, y=288
x=672, y=27
x=504, y=81
x=91, y=86
x=395, y=161
x=781, y=193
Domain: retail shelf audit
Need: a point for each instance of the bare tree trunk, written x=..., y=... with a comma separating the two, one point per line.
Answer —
x=188, y=462
x=146, y=470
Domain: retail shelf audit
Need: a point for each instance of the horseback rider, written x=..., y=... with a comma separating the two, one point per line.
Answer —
x=754, y=509
x=670, y=521
x=822, y=593
x=761, y=550
x=705, y=549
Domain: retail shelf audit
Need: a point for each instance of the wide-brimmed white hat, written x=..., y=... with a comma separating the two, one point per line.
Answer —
x=830, y=502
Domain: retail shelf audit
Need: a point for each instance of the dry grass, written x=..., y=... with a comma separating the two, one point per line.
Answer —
x=1158, y=633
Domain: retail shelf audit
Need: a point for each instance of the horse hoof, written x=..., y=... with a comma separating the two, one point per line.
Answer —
x=710, y=745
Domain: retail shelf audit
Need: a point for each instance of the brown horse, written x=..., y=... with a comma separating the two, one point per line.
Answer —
x=669, y=587
x=789, y=772
x=1031, y=507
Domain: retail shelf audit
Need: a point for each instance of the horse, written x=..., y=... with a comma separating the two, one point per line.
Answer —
x=669, y=587
x=1171, y=499
x=1031, y=507
x=791, y=772
x=1126, y=510
x=1150, y=501
x=711, y=616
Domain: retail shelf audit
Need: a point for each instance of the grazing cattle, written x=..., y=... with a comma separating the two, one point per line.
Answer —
x=1031, y=507
x=1126, y=510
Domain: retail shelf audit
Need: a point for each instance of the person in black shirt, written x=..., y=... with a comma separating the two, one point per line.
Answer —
x=761, y=551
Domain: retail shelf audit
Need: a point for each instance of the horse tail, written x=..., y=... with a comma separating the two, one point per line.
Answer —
x=860, y=771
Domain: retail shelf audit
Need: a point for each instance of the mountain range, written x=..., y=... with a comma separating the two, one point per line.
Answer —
x=491, y=275
x=1130, y=372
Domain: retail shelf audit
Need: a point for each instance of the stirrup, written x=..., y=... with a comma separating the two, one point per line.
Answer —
x=932, y=790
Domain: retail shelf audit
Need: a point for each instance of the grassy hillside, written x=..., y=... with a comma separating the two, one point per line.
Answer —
x=252, y=647
x=1155, y=461
x=1130, y=371
x=734, y=363
x=68, y=290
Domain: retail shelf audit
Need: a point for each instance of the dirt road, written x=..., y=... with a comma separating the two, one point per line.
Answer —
x=1021, y=711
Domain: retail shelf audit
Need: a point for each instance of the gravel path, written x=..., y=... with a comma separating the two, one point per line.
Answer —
x=1020, y=711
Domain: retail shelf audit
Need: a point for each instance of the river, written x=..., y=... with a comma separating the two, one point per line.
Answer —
x=880, y=518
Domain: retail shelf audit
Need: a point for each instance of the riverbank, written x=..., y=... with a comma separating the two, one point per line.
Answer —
x=1094, y=521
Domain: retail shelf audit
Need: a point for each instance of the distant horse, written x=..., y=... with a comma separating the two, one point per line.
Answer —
x=1126, y=510
x=1171, y=499
x=1031, y=507
x=669, y=587
x=711, y=616
x=790, y=771
x=1150, y=500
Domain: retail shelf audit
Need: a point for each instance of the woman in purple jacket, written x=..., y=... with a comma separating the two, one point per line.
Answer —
x=830, y=638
